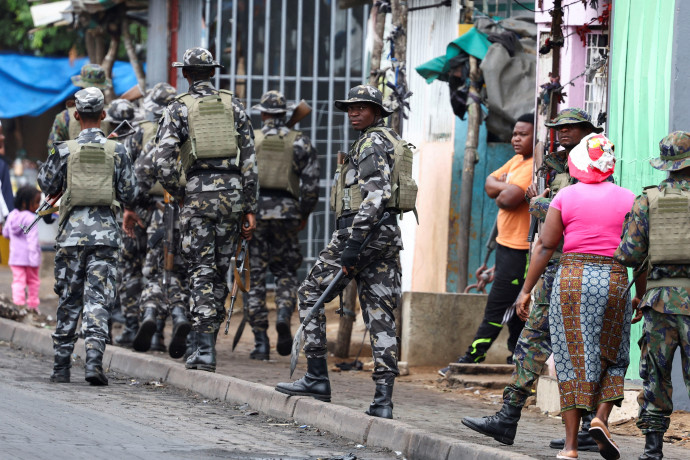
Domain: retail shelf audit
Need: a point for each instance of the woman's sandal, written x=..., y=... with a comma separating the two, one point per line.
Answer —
x=562, y=454
x=600, y=433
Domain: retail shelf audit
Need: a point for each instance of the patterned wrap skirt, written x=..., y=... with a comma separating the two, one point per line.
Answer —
x=589, y=318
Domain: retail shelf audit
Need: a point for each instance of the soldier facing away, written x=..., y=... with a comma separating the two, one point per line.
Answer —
x=95, y=175
x=656, y=242
x=289, y=191
x=212, y=136
x=361, y=194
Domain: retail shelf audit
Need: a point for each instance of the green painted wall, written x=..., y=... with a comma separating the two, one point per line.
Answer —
x=639, y=99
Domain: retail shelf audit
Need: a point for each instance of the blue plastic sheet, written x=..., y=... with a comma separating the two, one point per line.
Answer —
x=30, y=85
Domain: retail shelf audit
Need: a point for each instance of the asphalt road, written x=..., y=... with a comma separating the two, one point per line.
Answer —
x=133, y=419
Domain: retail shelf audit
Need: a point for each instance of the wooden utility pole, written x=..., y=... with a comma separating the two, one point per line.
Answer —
x=132, y=55
x=342, y=345
x=399, y=11
x=379, y=25
x=556, y=45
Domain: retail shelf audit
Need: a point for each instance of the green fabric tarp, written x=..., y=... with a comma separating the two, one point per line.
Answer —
x=472, y=42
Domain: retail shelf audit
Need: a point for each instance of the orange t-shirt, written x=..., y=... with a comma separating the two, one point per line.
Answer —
x=513, y=224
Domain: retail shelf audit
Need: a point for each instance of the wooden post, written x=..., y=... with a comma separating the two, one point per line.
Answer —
x=399, y=11
x=342, y=346
x=379, y=25
x=131, y=53
x=471, y=158
x=557, y=40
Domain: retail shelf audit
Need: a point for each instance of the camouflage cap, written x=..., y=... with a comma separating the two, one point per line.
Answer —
x=120, y=110
x=674, y=152
x=158, y=97
x=197, y=57
x=89, y=100
x=573, y=116
x=272, y=102
x=92, y=75
x=363, y=93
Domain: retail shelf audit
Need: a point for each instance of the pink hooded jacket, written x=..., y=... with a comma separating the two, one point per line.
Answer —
x=25, y=250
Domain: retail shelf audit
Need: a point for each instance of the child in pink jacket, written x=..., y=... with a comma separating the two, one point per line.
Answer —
x=25, y=251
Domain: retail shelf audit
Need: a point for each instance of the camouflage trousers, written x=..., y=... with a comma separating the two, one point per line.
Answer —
x=533, y=347
x=85, y=283
x=155, y=293
x=130, y=267
x=378, y=284
x=662, y=334
x=209, y=225
x=274, y=247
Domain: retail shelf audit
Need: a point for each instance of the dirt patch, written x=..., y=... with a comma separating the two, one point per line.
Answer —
x=678, y=432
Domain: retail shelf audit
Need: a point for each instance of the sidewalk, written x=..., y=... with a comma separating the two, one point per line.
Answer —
x=427, y=415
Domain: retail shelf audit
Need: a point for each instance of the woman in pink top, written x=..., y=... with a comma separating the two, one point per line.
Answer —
x=25, y=251
x=590, y=309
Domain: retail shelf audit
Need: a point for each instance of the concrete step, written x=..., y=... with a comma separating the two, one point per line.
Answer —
x=481, y=369
x=489, y=381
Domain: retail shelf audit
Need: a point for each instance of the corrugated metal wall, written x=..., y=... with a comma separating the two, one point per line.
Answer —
x=157, y=44
x=639, y=99
x=189, y=34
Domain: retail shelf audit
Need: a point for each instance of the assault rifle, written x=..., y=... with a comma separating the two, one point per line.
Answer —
x=48, y=206
x=302, y=110
x=534, y=223
x=240, y=282
x=169, y=218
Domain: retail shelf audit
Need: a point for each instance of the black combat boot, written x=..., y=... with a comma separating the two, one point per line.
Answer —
x=501, y=427
x=382, y=406
x=142, y=341
x=61, y=369
x=261, y=346
x=191, y=344
x=130, y=331
x=585, y=442
x=315, y=382
x=284, y=345
x=157, y=343
x=94, y=368
x=181, y=328
x=654, y=443
x=204, y=357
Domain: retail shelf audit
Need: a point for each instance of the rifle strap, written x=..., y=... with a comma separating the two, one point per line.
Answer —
x=49, y=211
x=242, y=284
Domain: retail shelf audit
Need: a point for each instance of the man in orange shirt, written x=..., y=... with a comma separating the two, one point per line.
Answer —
x=507, y=185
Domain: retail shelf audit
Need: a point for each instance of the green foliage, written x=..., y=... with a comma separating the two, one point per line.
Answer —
x=19, y=34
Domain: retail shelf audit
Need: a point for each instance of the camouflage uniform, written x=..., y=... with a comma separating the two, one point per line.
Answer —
x=275, y=245
x=91, y=75
x=666, y=309
x=87, y=247
x=215, y=196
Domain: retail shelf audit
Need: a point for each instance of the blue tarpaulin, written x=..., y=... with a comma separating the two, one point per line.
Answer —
x=30, y=85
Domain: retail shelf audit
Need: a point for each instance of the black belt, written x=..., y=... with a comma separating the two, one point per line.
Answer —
x=346, y=221
x=197, y=171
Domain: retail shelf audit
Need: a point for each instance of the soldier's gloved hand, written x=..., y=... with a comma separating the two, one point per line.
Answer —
x=348, y=259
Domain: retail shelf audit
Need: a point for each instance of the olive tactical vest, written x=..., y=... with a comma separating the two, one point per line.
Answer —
x=345, y=200
x=274, y=157
x=149, y=129
x=74, y=128
x=90, y=175
x=212, y=132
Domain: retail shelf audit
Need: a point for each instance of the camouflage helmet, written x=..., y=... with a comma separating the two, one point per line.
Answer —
x=573, y=116
x=89, y=100
x=363, y=93
x=272, y=102
x=158, y=97
x=120, y=110
x=92, y=75
x=674, y=152
x=197, y=57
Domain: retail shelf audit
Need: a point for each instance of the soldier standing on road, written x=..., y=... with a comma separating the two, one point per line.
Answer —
x=95, y=175
x=533, y=347
x=289, y=191
x=65, y=126
x=212, y=136
x=361, y=193
x=655, y=241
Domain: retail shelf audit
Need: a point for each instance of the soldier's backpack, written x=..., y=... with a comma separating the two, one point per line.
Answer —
x=669, y=225
x=90, y=176
x=274, y=157
x=212, y=132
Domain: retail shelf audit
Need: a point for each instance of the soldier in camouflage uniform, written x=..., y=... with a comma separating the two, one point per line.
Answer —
x=289, y=179
x=533, y=347
x=65, y=126
x=88, y=239
x=662, y=262
x=376, y=267
x=221, y=172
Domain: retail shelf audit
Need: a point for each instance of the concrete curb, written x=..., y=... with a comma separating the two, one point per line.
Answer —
x=339, y=420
